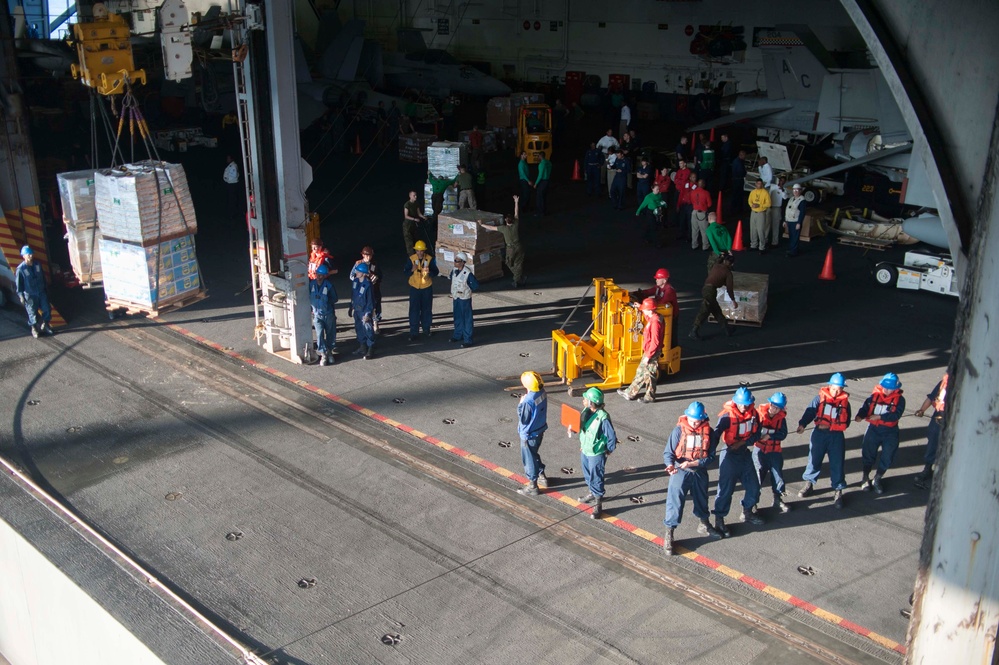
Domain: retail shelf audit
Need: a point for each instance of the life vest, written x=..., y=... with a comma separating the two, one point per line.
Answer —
x=792, y=212
x=316, y=259
x=832, y=411
x=417, y=280
x=768, y=427
x=741, y=426
x=941, y=399
x=459, y=284
x=592, y=441
x=882, y=402
x=694, y=441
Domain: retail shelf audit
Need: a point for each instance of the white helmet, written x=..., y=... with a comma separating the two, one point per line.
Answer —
x=461, y=256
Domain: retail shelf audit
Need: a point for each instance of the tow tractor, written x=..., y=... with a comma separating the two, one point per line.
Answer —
x=613, y=348
x=920, y=271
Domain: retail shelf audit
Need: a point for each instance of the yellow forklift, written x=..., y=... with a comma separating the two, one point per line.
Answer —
x=534, y=132
x=611, y=346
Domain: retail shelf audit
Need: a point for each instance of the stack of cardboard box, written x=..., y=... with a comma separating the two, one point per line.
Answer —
x=77, y=191
x=473, y=232
x=147, y=226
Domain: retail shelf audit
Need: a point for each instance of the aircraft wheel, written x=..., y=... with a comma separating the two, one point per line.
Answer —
x=886, y=275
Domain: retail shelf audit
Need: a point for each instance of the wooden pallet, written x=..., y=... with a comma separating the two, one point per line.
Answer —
x=117, y=306
x=738, y=322
x=866, y=243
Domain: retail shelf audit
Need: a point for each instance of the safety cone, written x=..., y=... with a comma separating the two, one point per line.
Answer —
x=718, y=210
x=577, y=172
x=357, y=145
x=737, y=245
x=827, y=268
x=712, y=137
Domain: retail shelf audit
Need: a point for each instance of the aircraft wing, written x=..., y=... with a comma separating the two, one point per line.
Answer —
x=871, y=157
x=735, y=118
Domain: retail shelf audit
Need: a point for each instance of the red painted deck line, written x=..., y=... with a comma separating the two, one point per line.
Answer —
x=615, y=521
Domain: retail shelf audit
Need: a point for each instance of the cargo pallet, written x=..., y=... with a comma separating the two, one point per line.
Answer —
x=117, y=307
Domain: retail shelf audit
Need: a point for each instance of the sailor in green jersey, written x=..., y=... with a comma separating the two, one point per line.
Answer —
x=597, y=440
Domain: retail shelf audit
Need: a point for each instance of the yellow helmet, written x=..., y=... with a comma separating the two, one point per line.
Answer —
x=420, y=245
x=532, y=381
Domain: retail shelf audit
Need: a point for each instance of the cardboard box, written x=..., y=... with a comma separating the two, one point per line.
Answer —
x=444, y=157
x=750, y=291
x=450, y=200
x=466, y=230
x=809, y=225
x=76, y=192
x=488, y=139
x=150, y=276
x=413, y=147
x=498, y=112
x=84, y=250
x=485, y=264
x=144, y=202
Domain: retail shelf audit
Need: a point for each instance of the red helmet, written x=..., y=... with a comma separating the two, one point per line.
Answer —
x=648, y=305
x=662, y=273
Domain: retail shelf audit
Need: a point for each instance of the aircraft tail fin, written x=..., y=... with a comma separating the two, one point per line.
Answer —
x=794, y=61
x=410, y=40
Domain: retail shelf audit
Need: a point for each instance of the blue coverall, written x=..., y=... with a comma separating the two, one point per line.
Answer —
x=323, y=298
x=884, y=437
x=822, y=442
x=363, y=302
x=772, y=463
x=693, y=481
x=623, y=168
x=593, y=160
x=735, y=464
x=30, y=286
x=532, y=421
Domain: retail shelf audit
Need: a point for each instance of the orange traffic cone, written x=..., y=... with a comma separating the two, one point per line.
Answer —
x=357, y=145
x=737, y=245
x=827, y=268
x=577, y=172
x=718, y=210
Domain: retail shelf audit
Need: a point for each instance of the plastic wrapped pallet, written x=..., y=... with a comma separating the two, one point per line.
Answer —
x=518, y=99
x=450, y=200
x=750, y=291
x=413, y=147
x=84, y=251
x=488, y=139
x=485, y=264
x=76, y=191
x=470, y=230
x=144, y=202
x=498, y=112
x=150, y=277
x=443, y=158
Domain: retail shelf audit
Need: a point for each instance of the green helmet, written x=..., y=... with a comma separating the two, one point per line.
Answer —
x=594, y=395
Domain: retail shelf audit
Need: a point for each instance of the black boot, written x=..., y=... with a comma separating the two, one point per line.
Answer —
x=865, y=482
x=838, y=500
x=694, y=333
x=780, y=504
x=598, y=508
x=720, y=526
x=530, y=489
x=705, y=529
x=668, y=542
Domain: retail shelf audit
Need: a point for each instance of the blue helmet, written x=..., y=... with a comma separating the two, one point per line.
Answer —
x=696, y=411
x=362, y=267
x=779, y=400
x=27, y=251
x=322, y=270
x=890, y=382
x=743, y=397
x=837, y=380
